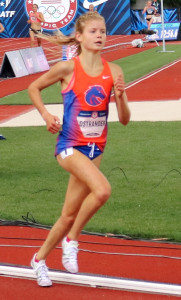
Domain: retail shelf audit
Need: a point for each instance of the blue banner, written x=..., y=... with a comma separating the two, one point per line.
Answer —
x=171, y=31
x=62, y=14
x=138, y=20
x=13, y=16
x=170, y=15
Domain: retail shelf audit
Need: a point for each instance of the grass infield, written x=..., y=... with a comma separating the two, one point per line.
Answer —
x=141, y=161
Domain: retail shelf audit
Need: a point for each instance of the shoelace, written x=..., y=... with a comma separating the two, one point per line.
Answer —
x=72, y=253
x=42, y=271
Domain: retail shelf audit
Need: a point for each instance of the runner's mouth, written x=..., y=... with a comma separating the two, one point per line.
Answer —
x=98, y=43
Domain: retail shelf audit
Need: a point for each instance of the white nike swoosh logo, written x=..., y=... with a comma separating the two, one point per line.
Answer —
x=95, y=3
x=105, y=77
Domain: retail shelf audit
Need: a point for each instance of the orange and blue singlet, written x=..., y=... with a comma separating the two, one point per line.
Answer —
x=86, y=101
x=33, y=18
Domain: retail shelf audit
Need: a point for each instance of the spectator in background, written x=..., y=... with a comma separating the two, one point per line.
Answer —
x=150, y=11
x=157, y=15
x=1, y=27
x=91, y=7
x=35, y=20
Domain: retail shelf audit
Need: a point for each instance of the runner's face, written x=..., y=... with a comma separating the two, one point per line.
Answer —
x=94, y=35
x=34, y=8
x=91, y=7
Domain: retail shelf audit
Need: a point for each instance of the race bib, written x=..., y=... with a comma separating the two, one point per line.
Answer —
x=92, y=123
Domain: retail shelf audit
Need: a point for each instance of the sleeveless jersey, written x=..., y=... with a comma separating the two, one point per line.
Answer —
x=150, y=11
x=33, y=18
x=86, y=102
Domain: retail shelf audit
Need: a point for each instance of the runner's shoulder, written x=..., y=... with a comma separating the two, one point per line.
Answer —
x=115, y=69
x=64, y=67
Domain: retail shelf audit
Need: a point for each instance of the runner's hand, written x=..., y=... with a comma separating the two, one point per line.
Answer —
x=52, y=122
x=119, y=85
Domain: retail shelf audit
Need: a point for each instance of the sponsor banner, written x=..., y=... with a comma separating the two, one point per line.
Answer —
x=23, y=62
x=13, y=16
x=62, y=14
x=171, y=31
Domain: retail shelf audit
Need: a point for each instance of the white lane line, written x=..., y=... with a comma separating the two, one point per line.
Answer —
x=96, y=281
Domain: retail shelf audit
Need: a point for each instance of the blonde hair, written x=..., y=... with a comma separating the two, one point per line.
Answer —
x=80, y=24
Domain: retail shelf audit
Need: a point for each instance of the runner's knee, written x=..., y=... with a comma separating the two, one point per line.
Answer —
x=67, y=220
x=103, y=193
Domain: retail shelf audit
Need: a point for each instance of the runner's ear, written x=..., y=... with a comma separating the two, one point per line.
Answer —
x=78, y=36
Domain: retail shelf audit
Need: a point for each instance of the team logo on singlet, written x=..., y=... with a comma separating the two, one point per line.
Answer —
x=95, y=95
x=57, y=13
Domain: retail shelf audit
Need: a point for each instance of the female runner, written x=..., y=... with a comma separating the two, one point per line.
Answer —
x=35, y=20
x=87, y=81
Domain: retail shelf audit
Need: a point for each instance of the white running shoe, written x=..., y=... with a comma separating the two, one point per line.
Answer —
x=69, y=256
x=41, y=271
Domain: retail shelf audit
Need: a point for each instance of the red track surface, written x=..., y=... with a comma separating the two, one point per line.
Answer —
x=17, y=289
x=128, y=266
x=127, y=263
x=164, y=84
x=7, y=111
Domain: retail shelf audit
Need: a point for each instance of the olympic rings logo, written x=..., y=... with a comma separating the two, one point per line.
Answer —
x=52, y=12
